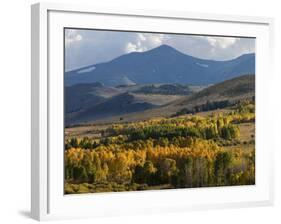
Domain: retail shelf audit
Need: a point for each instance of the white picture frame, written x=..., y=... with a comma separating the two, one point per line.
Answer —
x=47, y=198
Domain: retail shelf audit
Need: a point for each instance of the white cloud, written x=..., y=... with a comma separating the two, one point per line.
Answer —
x=221, y=42
x=144, y=41
x=212, y=47
x=89, y=47
x=141, y=37
x=130, y=47
x=154, y=40
x=72, y=36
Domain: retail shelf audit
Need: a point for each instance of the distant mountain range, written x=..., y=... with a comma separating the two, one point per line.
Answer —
x=86, y=103
x=163, y=64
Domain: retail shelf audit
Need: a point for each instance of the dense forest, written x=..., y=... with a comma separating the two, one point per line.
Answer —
x=183, y=151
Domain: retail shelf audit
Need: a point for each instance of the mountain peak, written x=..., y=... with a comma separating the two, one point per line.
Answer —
x=163, y=64
x=164, y=47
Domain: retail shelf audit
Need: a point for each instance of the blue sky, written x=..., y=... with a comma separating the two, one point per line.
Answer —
x=87, y=47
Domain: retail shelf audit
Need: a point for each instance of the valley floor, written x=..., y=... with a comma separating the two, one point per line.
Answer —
x=206, y=149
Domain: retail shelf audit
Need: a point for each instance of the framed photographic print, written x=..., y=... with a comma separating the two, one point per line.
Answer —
x=148, y=111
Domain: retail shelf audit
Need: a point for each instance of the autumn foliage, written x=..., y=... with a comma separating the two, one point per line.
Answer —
x=179, y=152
